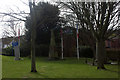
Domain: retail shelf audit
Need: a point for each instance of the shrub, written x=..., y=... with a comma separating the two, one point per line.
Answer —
x=24, y=51
x=25, y=48
x=86, y=51
x=113, y=54
x=8, y=51
x=42, y=50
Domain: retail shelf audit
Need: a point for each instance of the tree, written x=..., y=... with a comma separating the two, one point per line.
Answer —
x=12, y=21
x=20, y=17
x=99, y=17
x=52, y=48
x=33, y=37
x=43, y=17
x=11, y=28
x=47, y=19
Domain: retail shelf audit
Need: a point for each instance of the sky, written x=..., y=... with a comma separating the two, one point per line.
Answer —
x=7, y=6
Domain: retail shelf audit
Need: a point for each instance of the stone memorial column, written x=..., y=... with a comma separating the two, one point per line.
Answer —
x=16, y=51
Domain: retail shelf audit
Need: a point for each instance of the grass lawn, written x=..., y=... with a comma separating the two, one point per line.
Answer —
x=69, y=68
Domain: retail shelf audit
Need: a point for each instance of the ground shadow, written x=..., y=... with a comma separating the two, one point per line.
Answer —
x=112, y=70
x=39, y=74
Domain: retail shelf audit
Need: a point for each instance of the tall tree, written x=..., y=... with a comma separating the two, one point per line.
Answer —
x=47, y=19
x=99, y=17
x=33, y=37
x=52, y=48
x=42, y=18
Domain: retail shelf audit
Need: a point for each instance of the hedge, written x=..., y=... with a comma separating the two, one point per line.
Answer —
x=86, y=51
x=8, y=51
x=113, y=54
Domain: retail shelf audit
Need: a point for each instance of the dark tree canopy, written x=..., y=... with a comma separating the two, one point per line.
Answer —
x=47, y=17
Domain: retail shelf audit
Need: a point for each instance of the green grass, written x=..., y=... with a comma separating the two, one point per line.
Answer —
x=69, y=68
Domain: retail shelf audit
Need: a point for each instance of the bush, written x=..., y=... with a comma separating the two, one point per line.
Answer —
x=25, y=48
x=42, y=50
x=113, y=54
x=8, y=51
x=86, y=51
x=24, y=51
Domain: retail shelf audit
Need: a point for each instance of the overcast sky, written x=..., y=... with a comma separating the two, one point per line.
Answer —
x=15, y=5
x=7, y=5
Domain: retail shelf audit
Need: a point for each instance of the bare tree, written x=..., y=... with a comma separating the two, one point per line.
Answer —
x=21, y=16
x=11, y=28
x=99, y=17
x=12, y=21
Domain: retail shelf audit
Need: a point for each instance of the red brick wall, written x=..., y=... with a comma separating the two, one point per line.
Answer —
x=115, y=43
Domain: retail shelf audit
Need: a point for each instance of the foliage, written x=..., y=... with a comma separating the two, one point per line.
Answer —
x=113, y=54
x=42, y=50
x=42, y=19
x=8, y=51
x=47, y=16
x=24, y=49
x=86, y=51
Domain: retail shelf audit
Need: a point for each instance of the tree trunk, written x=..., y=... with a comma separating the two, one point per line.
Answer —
x=52, y=49
x=33, y=65
x=33, y=36
x=94, y=56
x=100, y=54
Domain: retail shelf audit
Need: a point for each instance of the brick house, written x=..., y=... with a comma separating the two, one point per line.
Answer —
x=113, y=43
